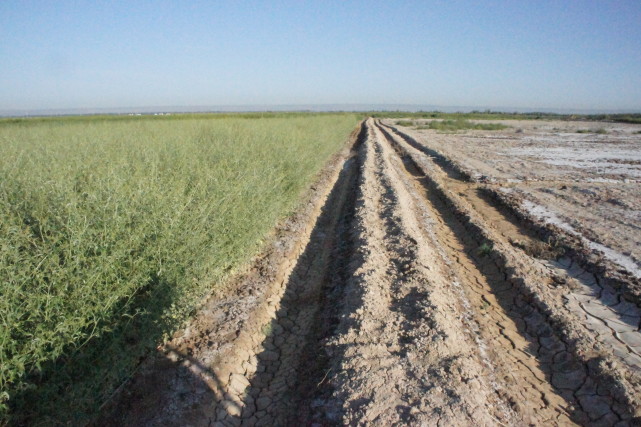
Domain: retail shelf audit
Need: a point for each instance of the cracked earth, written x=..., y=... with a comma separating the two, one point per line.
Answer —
x=404, y=292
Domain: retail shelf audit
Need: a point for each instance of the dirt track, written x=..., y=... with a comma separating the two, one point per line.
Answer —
x=401, y=293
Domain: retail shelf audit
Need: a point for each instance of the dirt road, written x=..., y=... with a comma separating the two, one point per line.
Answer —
x=401, y=293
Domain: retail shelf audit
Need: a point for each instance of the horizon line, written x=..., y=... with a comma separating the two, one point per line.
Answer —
x=250, y=108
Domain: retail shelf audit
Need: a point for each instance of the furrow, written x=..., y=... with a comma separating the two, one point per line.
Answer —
x=398, y=355
x=520, y=302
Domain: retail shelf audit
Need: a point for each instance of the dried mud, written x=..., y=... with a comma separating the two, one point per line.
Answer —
x=401, y=292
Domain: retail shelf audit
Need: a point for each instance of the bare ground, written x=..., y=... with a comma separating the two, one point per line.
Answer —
x=402, y=292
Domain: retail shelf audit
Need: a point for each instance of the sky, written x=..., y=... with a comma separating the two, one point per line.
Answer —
x=560, y=54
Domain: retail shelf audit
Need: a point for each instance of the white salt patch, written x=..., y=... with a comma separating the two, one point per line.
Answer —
x=624, y=261
x=546, y=215
x=577, y=154
x=606, y=180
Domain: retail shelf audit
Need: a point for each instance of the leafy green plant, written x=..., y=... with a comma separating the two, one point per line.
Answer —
x=112, y=231
x=485, y=249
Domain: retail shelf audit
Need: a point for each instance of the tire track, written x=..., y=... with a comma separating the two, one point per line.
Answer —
x=397, y=356
x=394, y=308
x=518, y=377
x=577, y=378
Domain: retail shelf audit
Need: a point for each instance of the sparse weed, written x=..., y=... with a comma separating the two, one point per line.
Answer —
x=460, y=124
x=543, y=250
x=600, y=131
x=406, y=123
x=485, y=249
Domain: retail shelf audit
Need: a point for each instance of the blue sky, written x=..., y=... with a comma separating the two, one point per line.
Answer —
x=523, y=54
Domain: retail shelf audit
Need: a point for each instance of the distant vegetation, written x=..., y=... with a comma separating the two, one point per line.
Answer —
x=474, y=115
x=113, y=228
x=452, y=125
x=460, y=124
x=495, y=115
x=162, y=117
x=598, y=131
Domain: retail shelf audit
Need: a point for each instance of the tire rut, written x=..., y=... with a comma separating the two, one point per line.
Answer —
x=511, y=356
x=398, y=304
x=611, y=315
x=573, y=377
x=397, y=355
x=282, y=373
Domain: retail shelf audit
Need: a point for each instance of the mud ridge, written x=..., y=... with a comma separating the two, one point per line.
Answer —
x=607, y=272
x=598, y=299
x=400, y=353
x=583, y=350
x=604, y=297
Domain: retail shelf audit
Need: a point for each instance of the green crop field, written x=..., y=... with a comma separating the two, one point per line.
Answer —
x=112, y=231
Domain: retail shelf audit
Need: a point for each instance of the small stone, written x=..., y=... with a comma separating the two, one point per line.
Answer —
x=277, y=383
x=221, y=413
x=263, y=402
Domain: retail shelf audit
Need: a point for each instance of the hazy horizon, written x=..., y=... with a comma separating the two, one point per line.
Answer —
x=518, y=56
x=177, y=109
